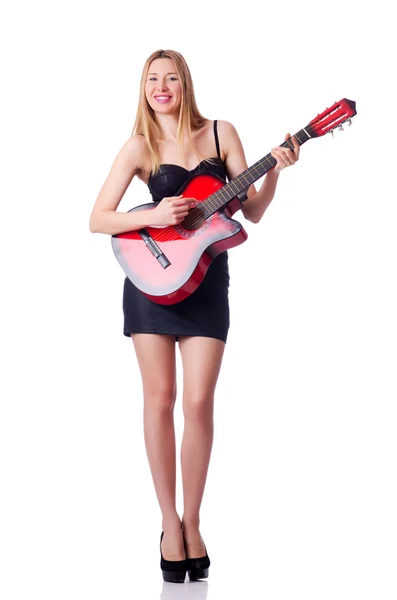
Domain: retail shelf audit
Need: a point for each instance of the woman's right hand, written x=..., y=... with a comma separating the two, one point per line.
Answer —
x=171, y=211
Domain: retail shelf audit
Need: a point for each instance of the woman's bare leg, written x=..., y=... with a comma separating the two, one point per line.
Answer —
x=201, y=358
x=156, y=359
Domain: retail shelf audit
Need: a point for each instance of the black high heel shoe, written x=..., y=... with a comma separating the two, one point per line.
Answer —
x=198, y=568
x=173, y=570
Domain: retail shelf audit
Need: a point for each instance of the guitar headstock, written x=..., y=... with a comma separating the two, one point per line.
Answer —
x=331, y=118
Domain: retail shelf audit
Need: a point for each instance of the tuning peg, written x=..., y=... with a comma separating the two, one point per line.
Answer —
x=349, y=121
x=332, y=132
x=340, y=127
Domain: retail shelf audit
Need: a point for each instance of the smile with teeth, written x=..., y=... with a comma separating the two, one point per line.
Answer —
x=163, y=98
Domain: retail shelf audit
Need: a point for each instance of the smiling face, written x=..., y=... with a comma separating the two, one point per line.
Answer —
x=163, y=88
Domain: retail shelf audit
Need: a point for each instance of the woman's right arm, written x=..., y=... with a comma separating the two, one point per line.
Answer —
x=104, y=217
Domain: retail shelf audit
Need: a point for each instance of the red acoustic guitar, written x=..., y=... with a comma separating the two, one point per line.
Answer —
x=168, y=263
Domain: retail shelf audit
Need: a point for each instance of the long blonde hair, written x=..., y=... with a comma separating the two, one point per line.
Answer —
x=190, y=118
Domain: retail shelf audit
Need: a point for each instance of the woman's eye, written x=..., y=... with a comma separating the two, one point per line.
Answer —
x=171, y=78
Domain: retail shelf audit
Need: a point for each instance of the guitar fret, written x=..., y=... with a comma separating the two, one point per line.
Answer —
x=296, y=135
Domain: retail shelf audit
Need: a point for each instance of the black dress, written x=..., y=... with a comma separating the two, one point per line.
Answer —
x=206, y=311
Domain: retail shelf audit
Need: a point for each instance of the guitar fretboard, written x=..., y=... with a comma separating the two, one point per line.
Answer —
x=246, y=178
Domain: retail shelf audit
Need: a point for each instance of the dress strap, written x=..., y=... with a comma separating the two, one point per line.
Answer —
x=216, y=139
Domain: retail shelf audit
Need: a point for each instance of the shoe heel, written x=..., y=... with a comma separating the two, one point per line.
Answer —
x=195, y=574
x=174, y=576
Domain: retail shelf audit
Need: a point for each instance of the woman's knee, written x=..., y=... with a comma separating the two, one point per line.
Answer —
x=161, y=399
x=198, y=407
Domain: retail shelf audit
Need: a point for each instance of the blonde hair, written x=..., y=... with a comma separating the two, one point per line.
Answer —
x=190, y=118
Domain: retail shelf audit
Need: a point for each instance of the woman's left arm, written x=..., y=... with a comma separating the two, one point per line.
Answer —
x=257, y=202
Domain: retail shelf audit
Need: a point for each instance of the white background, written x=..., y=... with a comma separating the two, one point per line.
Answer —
x=301, y=492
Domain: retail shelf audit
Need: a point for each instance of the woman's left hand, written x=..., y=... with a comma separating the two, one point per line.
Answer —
x=285, y=156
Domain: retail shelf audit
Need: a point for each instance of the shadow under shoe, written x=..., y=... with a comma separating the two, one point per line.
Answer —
x=174, y=571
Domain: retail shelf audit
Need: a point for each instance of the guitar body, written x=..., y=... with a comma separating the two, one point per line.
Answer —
x=189, y=252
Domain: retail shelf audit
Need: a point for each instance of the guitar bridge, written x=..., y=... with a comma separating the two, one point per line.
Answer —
x=154, y=248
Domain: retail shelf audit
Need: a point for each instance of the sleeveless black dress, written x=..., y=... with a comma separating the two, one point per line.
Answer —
x=206, y=311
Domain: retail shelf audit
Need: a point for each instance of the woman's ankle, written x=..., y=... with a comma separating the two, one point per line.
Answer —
x=191, y=523
x=171, y=521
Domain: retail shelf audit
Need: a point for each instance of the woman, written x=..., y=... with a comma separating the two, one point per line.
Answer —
x=171, y=143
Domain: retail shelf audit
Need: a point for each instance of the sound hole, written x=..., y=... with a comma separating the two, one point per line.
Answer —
x=195, y=219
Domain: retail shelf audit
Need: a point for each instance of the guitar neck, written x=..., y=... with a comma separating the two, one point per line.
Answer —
x=240, y=183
